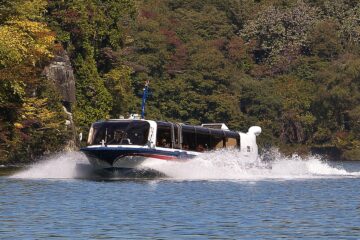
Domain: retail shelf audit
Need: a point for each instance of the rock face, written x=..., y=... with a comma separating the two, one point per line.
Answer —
x=61, y=73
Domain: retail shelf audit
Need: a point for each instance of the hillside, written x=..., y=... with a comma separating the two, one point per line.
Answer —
x=291, y=67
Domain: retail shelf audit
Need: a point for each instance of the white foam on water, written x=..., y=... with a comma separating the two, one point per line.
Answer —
x=219, y=165
x=232, y=165
x=58, y=166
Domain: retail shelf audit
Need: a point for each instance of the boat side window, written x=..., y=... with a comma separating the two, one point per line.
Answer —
x=217, y=139
x=188, y=138
x=203, y=140
x=98, y=135
x=163, y=135
x=232, y=140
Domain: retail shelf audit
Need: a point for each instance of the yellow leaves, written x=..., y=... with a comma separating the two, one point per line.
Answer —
x=36, y=109
x=18, y=125
x=28, y=26
x=12, y=48
x=23, y=38
x=18, y=88
x=24, y=41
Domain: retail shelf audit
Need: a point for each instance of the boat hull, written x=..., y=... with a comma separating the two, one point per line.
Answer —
x=122, y=157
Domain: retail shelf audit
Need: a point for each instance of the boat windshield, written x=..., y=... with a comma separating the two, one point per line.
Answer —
x=119, y=133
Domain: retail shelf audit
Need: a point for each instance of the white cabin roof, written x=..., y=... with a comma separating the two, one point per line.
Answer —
x=221, y=126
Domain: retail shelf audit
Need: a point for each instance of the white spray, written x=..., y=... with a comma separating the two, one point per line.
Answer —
x=60, y=166
x=231, y=165
x=219, y=165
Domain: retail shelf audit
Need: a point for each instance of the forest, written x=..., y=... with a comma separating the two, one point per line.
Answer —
x=289, y=66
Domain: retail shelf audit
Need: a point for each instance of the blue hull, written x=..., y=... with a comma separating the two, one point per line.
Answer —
x=109, y=155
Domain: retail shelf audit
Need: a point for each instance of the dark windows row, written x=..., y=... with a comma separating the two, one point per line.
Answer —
x=194, y=138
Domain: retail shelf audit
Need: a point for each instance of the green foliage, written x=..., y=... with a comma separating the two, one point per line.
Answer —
x=118, y=82
x=284, y=65
x=31, y=118
x=325, y=40
x=280, y=31
x=296, y=97
x=93, y=99
x=41, y=126
x=291, y=67
x=94, y=33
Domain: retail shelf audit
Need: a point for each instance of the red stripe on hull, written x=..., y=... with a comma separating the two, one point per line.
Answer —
x=161, y=157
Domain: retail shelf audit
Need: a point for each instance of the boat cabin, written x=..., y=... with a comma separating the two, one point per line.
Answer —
x=162, y=135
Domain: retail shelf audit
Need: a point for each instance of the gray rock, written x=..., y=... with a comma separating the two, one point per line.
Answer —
x=61, y=73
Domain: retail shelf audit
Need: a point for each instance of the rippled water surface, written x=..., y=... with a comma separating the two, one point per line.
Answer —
x=202, y=199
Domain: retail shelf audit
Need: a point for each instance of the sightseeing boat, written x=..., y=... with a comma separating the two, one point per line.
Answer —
x=126, y=143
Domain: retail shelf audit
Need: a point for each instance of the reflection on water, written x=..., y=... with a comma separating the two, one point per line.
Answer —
x=9, y=170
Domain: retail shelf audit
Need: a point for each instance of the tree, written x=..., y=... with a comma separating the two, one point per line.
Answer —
x=280, y=32
x=26, y=45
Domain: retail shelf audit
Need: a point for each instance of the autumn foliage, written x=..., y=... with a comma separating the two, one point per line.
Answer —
x=291, y=67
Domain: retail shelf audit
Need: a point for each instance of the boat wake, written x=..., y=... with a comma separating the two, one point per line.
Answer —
x=231, y=165
x=219, y=165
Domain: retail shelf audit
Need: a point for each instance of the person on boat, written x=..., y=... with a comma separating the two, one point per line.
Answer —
x=163, y=143
x=185, y=147
x=200, y=148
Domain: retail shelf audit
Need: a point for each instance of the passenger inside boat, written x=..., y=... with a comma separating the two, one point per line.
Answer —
x=119, y=136
x=194, y=138
x=119, y=133
x=200, y=148
x=185, y=147
x=163, y=143
x=168, y=135
x=163, y=135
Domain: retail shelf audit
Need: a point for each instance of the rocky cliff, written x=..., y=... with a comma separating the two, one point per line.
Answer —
x=61, y=73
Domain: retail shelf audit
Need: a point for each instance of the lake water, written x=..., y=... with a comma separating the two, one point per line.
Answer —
x=217, y=196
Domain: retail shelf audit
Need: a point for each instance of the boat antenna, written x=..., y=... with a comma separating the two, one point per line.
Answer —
x=145, y=95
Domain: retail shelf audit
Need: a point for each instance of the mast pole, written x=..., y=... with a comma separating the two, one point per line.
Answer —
x=144, y=97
